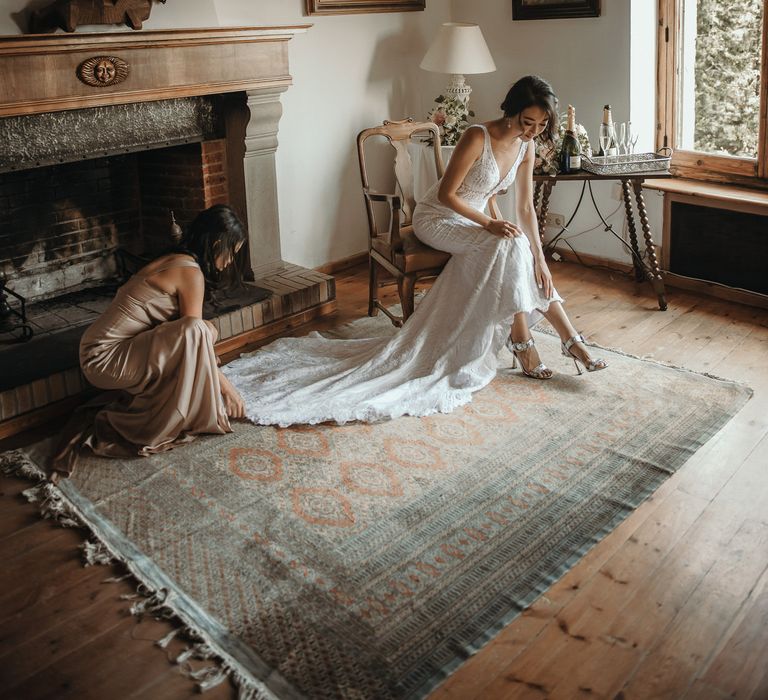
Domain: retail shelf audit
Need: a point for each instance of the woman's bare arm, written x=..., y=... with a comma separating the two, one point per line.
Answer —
x=526, y=216
x=190, y=290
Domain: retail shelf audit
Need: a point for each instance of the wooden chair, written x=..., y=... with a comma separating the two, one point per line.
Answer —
x=397, y=250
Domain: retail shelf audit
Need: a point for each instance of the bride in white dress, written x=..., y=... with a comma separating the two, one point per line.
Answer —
x=497, y=277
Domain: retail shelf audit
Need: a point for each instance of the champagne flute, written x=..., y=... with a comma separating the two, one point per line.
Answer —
x=632, y=137
x=623, y=143
x=604, y=136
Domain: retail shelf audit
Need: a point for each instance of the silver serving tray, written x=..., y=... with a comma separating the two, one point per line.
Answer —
x=627, y=164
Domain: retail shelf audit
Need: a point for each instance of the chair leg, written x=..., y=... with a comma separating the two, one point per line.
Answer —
x=406, y=285
x=373, y=287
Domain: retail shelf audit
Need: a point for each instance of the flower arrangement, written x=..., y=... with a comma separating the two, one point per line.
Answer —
x=452, y=117
x=547, y=160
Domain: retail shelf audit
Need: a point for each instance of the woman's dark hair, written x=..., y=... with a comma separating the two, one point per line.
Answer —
x=212, y=232
x=532, y=91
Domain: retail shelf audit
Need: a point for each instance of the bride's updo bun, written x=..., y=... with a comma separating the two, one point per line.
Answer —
x=532, y=91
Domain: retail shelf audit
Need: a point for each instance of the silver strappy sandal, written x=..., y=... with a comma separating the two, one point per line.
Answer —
x=540, y=371
x=589, y=365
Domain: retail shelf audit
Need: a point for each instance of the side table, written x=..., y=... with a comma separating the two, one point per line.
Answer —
x=629, y=183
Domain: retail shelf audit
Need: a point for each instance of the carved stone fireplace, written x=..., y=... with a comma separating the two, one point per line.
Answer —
x=93, y=160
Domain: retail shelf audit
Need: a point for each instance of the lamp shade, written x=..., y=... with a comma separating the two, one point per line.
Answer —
x=459, y=48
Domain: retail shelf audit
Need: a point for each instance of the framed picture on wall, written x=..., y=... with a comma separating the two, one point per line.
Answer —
x=346, y=7
x=554, y=9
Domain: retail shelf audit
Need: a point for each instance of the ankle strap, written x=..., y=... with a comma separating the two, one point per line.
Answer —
x=578, y=338
x=519, y=347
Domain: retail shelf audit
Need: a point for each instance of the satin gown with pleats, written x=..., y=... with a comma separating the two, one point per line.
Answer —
x=444, y=352
x=164, y=366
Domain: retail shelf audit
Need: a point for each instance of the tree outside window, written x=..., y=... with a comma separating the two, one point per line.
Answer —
x=712, y=72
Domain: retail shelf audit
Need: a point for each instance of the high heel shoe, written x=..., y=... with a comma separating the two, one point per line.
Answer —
x=590, y=365
x=540, y=371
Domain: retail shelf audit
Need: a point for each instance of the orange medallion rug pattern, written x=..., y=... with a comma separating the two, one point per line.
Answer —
x=368, y=561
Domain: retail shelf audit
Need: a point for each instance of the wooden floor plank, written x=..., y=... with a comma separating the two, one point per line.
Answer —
x=108, y=664
x=27, y=538
x=34, y=656
x=671, y=666
x=701, y=690
x=741, y=662
x=46, y=601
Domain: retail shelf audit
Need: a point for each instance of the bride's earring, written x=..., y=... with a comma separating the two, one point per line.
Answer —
x=508, y=123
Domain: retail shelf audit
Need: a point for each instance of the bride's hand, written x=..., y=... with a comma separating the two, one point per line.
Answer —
x=544, y=277
x=504, y=229
x=233, y=402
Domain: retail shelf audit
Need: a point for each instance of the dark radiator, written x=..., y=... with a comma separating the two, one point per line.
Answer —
x=719, y=245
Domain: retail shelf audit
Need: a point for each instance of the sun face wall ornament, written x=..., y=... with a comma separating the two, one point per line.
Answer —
x=103, y=71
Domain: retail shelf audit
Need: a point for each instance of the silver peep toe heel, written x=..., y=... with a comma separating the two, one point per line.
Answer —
x=590, y=365
x=540, y=371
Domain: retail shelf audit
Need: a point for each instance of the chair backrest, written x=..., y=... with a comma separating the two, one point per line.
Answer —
x=399, y=134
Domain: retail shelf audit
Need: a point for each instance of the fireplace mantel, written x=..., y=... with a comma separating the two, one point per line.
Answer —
x=38, y=73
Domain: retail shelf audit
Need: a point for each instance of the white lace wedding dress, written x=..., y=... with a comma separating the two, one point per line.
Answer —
x=445, y=352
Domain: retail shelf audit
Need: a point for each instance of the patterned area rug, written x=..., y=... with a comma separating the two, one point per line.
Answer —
x=369, y=561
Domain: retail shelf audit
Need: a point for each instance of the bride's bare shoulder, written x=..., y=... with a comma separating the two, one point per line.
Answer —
x=472, y=140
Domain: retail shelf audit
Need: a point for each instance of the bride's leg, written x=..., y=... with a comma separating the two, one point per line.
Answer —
x=528, y=357
x=561, y=323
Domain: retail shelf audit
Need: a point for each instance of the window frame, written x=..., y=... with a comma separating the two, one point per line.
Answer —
x=699, y=165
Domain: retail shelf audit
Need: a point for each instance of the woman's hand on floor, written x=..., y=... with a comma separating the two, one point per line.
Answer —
x=233, y=402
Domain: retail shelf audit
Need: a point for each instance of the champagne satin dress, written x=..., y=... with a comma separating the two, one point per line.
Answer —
x=165, y=367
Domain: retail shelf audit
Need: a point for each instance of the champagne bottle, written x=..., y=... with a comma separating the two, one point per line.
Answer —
x=570, y=152
x=608, y=146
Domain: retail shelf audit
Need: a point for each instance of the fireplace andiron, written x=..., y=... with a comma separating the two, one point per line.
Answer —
x=8, y=315
x=68, y=14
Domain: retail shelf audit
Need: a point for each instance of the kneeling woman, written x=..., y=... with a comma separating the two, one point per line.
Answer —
x=153, y=344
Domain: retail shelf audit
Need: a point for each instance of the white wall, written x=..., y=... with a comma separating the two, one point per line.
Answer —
x=350, y=72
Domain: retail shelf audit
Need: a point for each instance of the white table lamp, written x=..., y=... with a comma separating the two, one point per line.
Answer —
x=459, y=48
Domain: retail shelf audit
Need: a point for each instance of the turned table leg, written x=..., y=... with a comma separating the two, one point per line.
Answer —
x=655, y=273
x=636, y=259
x=546, y=191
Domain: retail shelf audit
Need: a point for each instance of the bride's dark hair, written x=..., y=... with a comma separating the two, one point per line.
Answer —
x=532, y=91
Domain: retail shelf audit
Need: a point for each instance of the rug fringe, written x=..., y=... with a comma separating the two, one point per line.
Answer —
x=208, y=677
x=165, y=641
x=16, y=463
x=94, y=552
x=52, y=504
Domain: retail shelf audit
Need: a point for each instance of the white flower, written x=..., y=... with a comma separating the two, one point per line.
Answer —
x=452, y=116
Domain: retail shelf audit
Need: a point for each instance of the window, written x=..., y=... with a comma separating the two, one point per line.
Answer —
x=712, y=88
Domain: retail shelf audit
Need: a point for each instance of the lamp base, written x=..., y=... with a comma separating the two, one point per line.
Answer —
x=458, y=88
